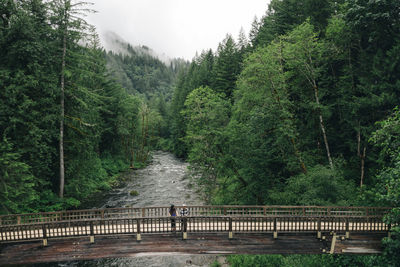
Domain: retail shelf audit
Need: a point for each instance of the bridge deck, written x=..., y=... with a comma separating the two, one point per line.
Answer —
x=127, y=246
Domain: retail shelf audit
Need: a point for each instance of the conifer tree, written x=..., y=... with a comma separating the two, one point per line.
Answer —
x=71, y=29
x=226, y=67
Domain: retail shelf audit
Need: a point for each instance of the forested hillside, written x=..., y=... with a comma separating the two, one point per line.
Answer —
x=68, y=123
x=303, y=112
x=140, y=71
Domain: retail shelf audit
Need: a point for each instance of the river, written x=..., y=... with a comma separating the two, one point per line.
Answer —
x=163, y=182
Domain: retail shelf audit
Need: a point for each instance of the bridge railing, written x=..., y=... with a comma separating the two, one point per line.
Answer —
x=148, y=212
x=193, y=224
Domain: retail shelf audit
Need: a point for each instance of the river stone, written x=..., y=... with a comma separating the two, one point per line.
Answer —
x=134, y=193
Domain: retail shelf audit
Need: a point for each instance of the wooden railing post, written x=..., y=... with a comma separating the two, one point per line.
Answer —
x=44, y=231
x=230, y=228
x=347, y=228
x=138, y=236
x=333, y=244
x=184, y=228
x=91, y=232
x=275, y=228
x=319, y=228
x=3, y=229
x=18, y=219
x=143, y=212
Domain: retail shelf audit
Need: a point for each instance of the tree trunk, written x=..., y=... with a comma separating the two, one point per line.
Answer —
x=321, y=123
x=146, y=132
x=132, y=147
x=362, y=166
x=142, y=146
x=361, y=156
x=61, y=144
x=297, y=154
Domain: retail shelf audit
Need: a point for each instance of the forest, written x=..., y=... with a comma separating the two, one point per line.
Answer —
x=69, y=121
x=304, y=110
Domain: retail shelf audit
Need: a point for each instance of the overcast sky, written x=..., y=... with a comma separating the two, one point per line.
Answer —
x=176, y=28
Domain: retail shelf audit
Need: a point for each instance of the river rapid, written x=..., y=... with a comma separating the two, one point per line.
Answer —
x=163, y=182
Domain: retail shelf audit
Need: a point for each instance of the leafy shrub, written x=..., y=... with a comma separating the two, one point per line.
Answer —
x=320, y=186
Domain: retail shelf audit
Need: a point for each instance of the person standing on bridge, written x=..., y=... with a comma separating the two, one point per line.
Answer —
x=184, y=212
x=172, y=213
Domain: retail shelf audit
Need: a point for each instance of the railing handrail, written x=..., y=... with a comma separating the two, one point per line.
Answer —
x=200, y=210
x=197, y=217
x=204, y=206
x=207, y=224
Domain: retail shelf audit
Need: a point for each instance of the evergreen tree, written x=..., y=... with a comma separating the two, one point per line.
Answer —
x=71, y=29
x=227, y=67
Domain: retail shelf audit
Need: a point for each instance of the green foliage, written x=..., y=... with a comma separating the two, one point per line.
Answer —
x=321, y=186
x=206, y=114
x=226, y=67
x=306, y=260
x=113, y=165
x=305, y=100
x=256, y=260
x=392, y=245
x=17, y=184
x=134, y=193
x=387, y=138
x=103, y=124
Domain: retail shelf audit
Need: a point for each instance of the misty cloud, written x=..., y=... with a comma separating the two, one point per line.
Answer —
x=176, y=28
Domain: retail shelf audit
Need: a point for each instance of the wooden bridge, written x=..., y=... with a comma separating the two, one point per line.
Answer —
x=126, y=232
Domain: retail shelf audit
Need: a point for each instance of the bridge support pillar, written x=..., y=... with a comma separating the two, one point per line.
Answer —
x=44, y=231
x=333, y=244
x=319, y=236
x=347, y=228
x=138, y=236
x=184, y=228
x=275, y=235
x=91, y=233
x=230, y=228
